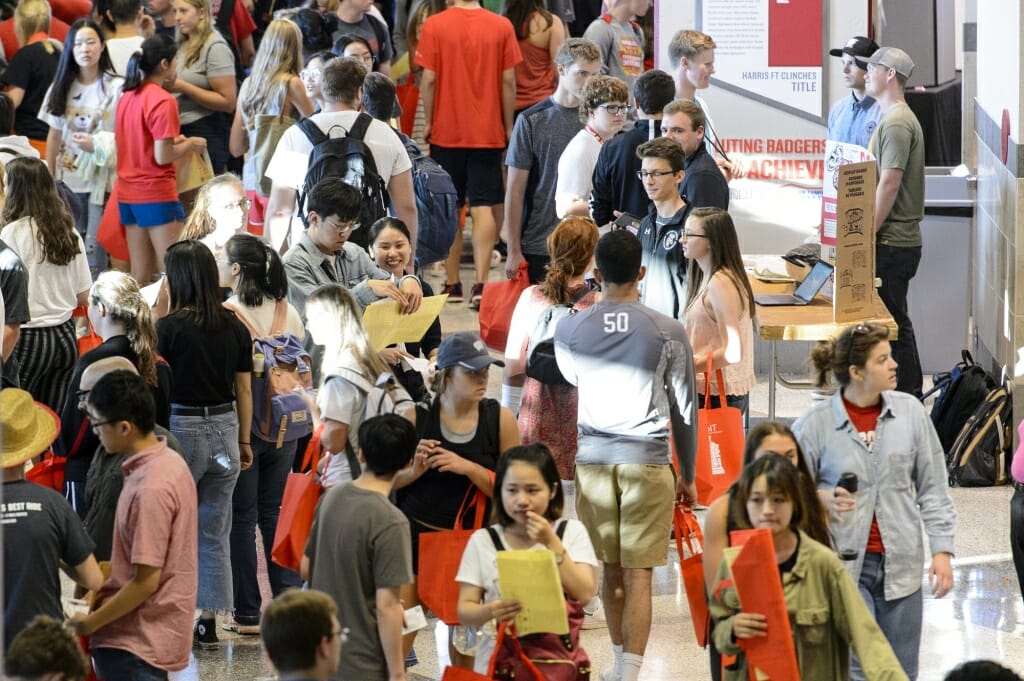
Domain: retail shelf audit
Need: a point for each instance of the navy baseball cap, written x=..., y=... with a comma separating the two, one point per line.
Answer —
x=858, y=47
x=465, y=349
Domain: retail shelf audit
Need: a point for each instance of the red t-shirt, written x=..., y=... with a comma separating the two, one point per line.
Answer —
x=864, y=420
x=140, y=179
x=9, y=39
x=468, y=49
x=241, y=24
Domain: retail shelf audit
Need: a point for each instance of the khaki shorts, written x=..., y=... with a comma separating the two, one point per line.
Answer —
x=627, y=510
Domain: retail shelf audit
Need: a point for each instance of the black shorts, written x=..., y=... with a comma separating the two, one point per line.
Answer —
x=477, y=173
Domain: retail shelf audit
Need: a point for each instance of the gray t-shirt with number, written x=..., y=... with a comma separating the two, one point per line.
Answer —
x=538, y=139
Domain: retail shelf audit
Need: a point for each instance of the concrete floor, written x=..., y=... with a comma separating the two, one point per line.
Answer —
x=982, y=618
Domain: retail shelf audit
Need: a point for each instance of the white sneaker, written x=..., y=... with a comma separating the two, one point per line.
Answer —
x=608, y=675
x=593, y=615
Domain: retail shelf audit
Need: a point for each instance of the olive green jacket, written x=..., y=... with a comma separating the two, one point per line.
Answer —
x=827, y=616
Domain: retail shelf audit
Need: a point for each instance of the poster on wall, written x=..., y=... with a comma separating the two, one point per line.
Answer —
x=770, y=48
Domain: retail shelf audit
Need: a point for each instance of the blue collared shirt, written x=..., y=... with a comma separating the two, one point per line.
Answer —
x=902, y=484
x=852, y=120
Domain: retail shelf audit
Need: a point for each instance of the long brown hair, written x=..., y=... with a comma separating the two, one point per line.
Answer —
x=571, y=247
x=120, y=295
x=31, y=193
x=192, y=45
x=725, y=256
x=199, y=223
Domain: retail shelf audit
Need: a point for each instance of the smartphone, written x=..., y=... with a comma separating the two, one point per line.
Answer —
x=628, y=221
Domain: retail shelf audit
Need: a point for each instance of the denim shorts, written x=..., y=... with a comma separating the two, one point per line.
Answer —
x=151, y=214
x=114, y=663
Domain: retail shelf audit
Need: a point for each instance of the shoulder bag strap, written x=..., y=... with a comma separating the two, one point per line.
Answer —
x=498, y=545
x=241, y=317
x=277, y=327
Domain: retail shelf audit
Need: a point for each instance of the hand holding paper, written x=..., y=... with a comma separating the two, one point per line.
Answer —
x=386, y=324
x=531, y=578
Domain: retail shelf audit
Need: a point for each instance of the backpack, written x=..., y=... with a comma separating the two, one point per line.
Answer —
x=959, y=396
x=560, y=656
x=437, y=204
x=540, y=353
x=279, y=414
x=350, y=159
x=384, y=396
x=980, y=457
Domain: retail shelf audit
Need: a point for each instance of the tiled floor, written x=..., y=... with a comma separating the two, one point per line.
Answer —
x=982, y=618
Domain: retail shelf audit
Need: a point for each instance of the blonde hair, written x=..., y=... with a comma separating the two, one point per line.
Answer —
x=192, y=46
x=688, y=43
x=31, y=17
x=200, y=223
x=120, y=295
x=337, y=304
x=276, y=63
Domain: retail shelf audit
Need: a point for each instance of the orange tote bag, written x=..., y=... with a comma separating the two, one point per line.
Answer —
x=719, y=443
x=298, y=506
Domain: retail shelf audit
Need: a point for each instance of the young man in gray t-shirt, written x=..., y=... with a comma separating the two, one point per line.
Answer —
x=360, y=553
x=539, y=137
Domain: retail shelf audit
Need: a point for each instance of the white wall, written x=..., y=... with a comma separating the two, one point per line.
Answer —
x=999, y=61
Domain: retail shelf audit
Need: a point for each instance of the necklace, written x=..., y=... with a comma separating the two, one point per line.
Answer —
x=600, y=140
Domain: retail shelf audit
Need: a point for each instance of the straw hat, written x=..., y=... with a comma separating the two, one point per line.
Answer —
x=27, y=428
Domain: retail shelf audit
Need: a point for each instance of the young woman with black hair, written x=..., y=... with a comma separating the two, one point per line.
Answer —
x=79, y=107
x=148, y=134
x=210, y=353
x=39, y=228
x=259, y=289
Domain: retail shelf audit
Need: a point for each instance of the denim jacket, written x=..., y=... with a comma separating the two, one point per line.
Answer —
x=902, y=483
x=308, y=268
x=827, y=616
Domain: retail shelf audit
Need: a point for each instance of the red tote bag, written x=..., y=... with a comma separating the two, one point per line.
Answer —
x=719, y=443
x=496, y=307
x=690, y=545
x=440, y=556
x=49, y=472
x=298, y=505
x=506, y=630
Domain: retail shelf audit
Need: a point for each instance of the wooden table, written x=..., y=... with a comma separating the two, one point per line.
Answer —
x=813, y=322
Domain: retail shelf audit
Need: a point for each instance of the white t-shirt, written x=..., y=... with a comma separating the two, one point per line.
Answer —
x=341, y=401
x=53, y=289
x=288, y=166
x=262, y=317
x=479, y=567
x=82, y=102
x=121, y=50
x=576, y=170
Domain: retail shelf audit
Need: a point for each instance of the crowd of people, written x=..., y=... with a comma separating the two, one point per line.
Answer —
x=132, y=303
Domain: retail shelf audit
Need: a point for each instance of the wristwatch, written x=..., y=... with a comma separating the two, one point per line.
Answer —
x=560, y=557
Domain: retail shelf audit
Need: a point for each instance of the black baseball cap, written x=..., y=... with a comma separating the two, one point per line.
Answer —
x=858, y=47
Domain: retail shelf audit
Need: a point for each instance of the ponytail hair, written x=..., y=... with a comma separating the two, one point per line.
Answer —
x=261, y=274
x=850, y=348
x=571, y=247
x=119, y=293
x=145, y=61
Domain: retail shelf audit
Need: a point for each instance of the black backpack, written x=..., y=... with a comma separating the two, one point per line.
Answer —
x=980, y=457
x=350, y=159
x=540, y=352
x=960, y=393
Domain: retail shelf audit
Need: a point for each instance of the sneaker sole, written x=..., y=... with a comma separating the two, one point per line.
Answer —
x=474, y=304
x=205, y=645
x=241, y=629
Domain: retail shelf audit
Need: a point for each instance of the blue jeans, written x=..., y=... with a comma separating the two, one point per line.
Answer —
x=899, y=620
x=114, y=663
x=257, y=499
x=896, y=266
x=210, y=444
x=88, y=224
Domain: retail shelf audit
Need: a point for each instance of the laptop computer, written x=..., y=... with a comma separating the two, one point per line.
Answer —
x=805, y=292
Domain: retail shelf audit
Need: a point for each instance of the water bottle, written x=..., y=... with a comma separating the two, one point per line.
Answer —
x=848, y=481
x=466, y=639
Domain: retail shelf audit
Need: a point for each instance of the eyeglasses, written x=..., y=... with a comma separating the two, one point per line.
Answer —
x=616, y=109
x=859, y=330
x=242, y=204
x=81, y=396
x=342, y=228
x=688, y=235
x=341, y=632
x=310, y=74
x=98, y=424
x=658, y=174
